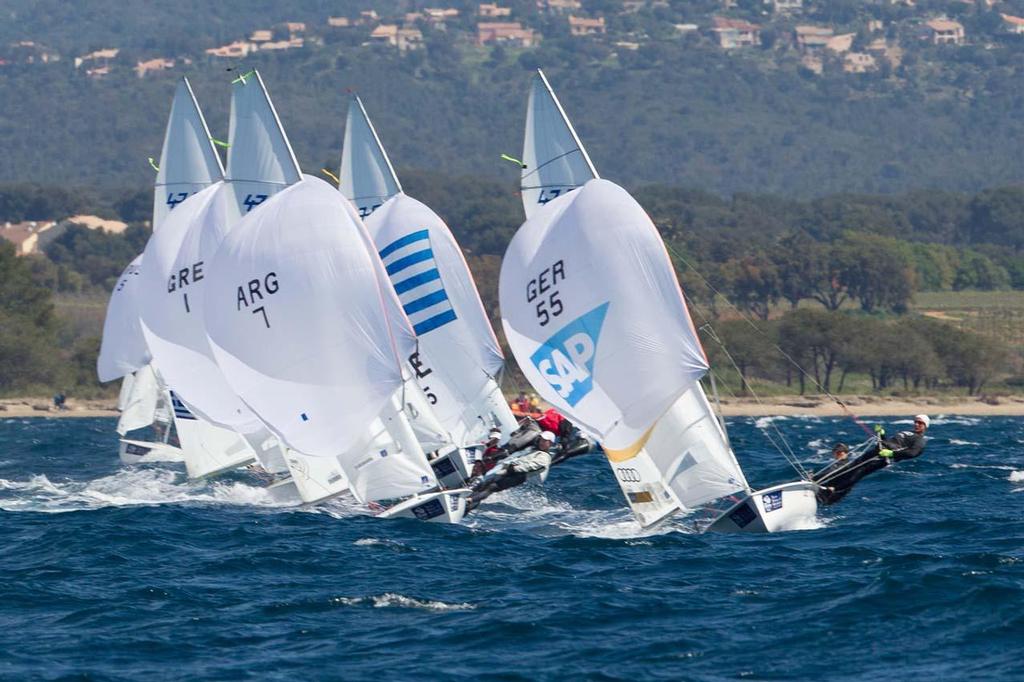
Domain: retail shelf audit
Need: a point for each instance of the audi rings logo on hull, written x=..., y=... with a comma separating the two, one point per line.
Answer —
x=627, y=475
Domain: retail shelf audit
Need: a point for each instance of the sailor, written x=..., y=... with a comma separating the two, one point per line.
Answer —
x=492, y=454
x=516, y=472
x=833, y=486
x=840, y=453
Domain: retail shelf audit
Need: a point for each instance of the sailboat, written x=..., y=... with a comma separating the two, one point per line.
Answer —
x=226, y=432
x=593, y=312
x=457, y=359
x=308, y=331
x=188, y=164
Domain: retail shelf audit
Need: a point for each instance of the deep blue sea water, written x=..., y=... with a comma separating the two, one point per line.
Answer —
x=111, y=573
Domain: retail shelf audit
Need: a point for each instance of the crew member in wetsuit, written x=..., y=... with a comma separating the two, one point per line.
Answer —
x=493, y=453
x=840, y=455
x=516, y=472
x=904, y=445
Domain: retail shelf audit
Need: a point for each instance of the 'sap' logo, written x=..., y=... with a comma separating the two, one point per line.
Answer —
x=566, y=360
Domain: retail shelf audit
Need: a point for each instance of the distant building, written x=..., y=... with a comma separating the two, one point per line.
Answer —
x=809, y=38
x=560, y=6
x=787, y=5
x=31, y=52
x=505, y=33
x=295, y=27
x=438, y=16
x=101, y=56
x=733, y=33
x=290, y=44
x=93, y=222
x=25, y=236
x=684, y=29
x=946, y=32
x=158, y=64
x=582, y=26
x=368, y=16
x=1013, y=24
x=858, y=62
x=339, y=22
x=261, y=36
x=235, y=50
x=386, y=34
x=405, y=38
x=841, y=43
x=493, y=11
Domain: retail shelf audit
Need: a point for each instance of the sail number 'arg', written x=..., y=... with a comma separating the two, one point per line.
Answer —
x=542, y=290
x=183, y=278
x=251, y=292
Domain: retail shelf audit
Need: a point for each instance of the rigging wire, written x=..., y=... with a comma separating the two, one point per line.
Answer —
x=746, y=318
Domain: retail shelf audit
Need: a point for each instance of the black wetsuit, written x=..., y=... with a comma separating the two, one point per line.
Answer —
x=837, y=482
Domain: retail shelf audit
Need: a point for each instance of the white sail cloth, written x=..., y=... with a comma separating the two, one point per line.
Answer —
x=366, y=176
x=593, y=312
x=458, y=355
x=140, y=395
x=188, y=162
x=296, y=316
x=554, y=158
x=123, y=349
x=171, y=304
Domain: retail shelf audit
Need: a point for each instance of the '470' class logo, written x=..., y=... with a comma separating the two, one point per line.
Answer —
x=566, y=360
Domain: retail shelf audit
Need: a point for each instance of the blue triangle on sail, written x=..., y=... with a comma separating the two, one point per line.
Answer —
x=566, y=360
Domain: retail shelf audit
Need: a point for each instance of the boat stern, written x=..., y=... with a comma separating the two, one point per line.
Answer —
x=788, y=506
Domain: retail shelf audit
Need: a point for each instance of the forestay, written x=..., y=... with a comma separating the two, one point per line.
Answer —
x=260, y=158
x=554, y=159
x=189, y=162
x=296, y=315
x=366, y=176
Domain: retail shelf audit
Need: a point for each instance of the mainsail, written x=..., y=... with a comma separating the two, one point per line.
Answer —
x=188, y=162
x=123, y=349
x=260, y=158
x=367, y=178
x=295, y=312
x=554, y=160
x=458, y=356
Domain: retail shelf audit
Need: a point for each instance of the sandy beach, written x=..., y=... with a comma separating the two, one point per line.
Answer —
x=818, y=406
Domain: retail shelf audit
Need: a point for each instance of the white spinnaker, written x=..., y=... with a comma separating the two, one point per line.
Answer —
x=592, y=309
x=458, y=355
x=171, y=305
x=555, y=159
x=367, y=178
x=123, y=349
x=189, y=162
x=260, y=158
x=295, y=312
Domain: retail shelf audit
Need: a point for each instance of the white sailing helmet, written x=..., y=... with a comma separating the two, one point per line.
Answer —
x=923, y=418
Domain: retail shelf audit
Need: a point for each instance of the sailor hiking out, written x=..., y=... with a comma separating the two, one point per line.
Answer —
x=515, y=471
x=836, y=480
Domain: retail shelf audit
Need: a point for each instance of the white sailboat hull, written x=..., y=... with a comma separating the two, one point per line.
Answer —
x=316, y=478
x=446, y=506
x=789, y=506
x=143, y=452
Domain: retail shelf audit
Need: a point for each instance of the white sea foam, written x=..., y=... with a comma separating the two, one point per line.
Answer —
x=765, y=422
x=393, y=600
x=1016, y=476
x=126, y=488
x=964, y=465
x=957, y=441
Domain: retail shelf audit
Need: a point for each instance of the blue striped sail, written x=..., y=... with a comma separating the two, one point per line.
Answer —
x=410, y=264
x=180, y=411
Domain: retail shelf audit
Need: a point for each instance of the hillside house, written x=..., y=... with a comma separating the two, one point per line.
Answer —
x=1012, y=24
x=582, y=26
x=505, y=33
x=945, y=32
x=25, y=236
x=235, y=50
x=295, y=27
x=289, y=44
x=339, y=22
x=368, y=16
x=840, y=43
x=102, y=57
x=158, y=64
x=493, y=11
x=560, y=6
x=261, y=36
x=733, y=33
x=858, y=62
x=810, y=38
x=787, y=5
x=438, y=16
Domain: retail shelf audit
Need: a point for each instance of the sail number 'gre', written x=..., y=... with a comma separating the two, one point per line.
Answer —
x=253, y=290
x=182, y=278
x=537, y=289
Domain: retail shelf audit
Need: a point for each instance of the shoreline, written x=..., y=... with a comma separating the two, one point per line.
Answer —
x=788, y=406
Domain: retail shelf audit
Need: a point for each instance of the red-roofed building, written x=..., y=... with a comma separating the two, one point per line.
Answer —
x=506, y=32
x=581, y=26
x=946, y=32
x=733, y=33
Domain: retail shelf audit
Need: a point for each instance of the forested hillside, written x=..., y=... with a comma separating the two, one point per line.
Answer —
x=676, y=110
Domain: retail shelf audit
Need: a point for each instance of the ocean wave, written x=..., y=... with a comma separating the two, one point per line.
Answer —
x=957, y=441
x=126, y=488
x=1016, y=476
x=394, y=600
